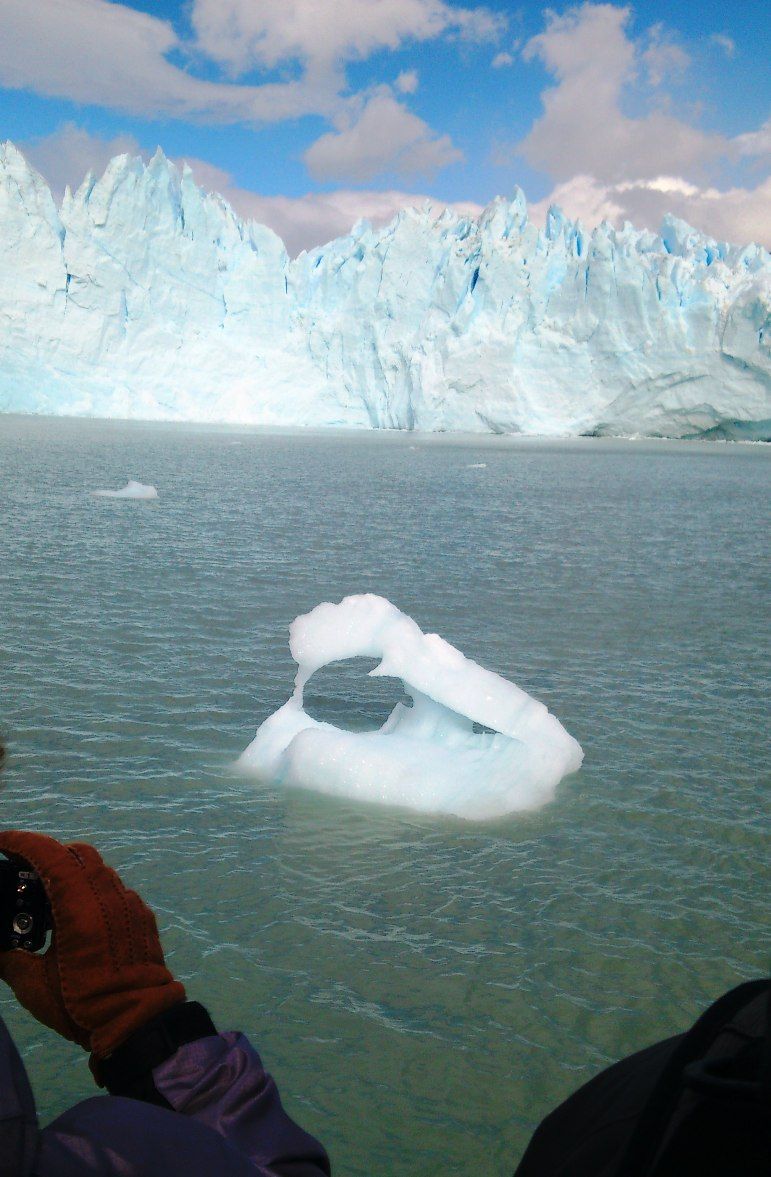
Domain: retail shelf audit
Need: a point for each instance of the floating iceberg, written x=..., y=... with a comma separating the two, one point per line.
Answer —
x=428, y=756
x=132, y=490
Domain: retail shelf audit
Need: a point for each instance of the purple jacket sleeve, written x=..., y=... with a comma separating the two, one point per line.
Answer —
x=227, y=1119
x=220, y=1081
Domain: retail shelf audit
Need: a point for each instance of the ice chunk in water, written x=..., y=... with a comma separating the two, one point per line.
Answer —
x=426, y=757
x=132, y=490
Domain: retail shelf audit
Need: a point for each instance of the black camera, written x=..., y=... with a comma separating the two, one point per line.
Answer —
x=25, y=914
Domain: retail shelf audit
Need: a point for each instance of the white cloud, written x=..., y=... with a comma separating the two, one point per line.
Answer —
x=727, y=44
x=243, y=34
x=756, y=143
x=302, y=221
x=407, y=82
x=107, y=54
x=663, y=58
x=306, y=221
x=318, y=217
x=385, y=137
x=502, y=59
x=737, y=214
x=583, y=128
x=69, y=153
x=605, y=164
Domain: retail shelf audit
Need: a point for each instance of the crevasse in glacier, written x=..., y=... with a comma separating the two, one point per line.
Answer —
x=144, y=297
x=428, y=756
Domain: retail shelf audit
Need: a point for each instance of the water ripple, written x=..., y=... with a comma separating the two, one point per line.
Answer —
x=423, y=989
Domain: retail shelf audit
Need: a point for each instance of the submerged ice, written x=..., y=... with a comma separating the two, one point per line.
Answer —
x=427, y=756
x=142, y=296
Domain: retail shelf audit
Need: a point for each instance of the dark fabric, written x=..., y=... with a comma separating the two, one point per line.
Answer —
x=109, y=1136
x=640, y=1116
x=733, y=1019
x=18, y=1122
x=586, y=1134
x=228, y=1122
x=222, y=1083
x=128, y=1069
x=723, y=1126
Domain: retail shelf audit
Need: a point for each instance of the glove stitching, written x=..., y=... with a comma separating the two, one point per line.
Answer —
x=62, y=964
x=122, y=895
x=113, y=932
x=145, y=937
x=53, y=981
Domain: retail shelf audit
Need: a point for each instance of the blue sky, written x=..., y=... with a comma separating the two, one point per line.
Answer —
x=307, y=114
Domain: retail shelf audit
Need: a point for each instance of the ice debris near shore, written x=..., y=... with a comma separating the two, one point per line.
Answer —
x=144, y=297
x=426, y=757
x=132, y=490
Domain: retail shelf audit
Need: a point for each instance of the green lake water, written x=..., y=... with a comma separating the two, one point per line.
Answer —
x=423, y=989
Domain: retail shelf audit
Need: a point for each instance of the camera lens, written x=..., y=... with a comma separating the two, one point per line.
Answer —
x=22, y=923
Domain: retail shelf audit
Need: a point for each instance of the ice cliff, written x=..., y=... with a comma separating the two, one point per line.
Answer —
x=142, y=296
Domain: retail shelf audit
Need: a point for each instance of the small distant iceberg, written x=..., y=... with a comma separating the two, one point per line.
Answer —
x=431, y=756
x=132, y=490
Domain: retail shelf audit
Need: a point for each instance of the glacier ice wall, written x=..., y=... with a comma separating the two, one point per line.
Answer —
x=144, y=297
x=428, y=756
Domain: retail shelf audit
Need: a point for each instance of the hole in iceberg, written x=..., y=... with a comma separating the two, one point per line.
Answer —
x=343, y=693
x=480, y=729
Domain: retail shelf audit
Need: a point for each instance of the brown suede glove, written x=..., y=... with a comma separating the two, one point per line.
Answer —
x=103, y=975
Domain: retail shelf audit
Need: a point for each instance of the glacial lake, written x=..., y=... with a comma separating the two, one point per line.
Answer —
x=423, y=989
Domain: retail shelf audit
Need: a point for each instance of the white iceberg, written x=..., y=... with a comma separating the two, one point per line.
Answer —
x=427, y=757
x=132, y=490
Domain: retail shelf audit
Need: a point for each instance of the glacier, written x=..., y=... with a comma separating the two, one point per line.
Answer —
x=426, y=757
x=142, y=296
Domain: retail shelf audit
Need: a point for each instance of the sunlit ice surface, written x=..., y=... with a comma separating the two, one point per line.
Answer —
x=427, y=756
x=424, y=988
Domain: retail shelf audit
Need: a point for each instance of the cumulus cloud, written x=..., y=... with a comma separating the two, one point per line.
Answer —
x=663, y=58
x=302, y=222
x=242, y=34
x=501, y=60
x=407, y=81
x=606, y=164
x=756, y=144
x=384, y=138
x=738, y=214
x=316, y=218
x=583, y=128
x=68, y=154
x=107, y=54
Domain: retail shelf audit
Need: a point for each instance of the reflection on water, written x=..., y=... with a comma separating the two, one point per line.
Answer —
x=423, y=989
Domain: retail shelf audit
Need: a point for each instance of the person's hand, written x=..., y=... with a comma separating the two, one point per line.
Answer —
x=103, y=975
